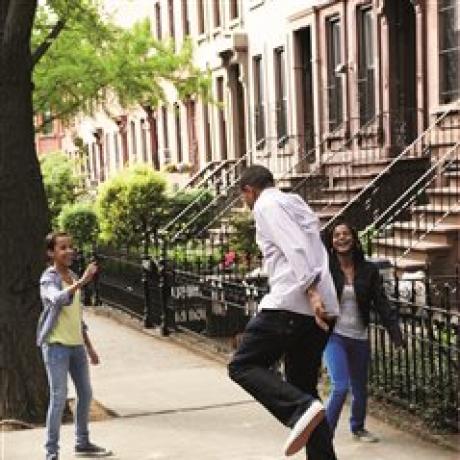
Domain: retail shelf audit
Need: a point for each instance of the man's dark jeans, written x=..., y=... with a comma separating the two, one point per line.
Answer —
x=269, y=336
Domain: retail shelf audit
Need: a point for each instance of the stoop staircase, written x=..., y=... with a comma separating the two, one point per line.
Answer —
x=418, y=226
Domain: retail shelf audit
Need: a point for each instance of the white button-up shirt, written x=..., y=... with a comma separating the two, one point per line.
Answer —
x=287, y=233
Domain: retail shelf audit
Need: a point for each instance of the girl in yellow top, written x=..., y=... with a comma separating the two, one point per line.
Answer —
x=65, y=345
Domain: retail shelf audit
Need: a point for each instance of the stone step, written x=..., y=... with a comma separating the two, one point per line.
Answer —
x=325, y=215
x=329, y=205
x=373, y=167
x=439, y=150
x=341, y=193
x=432, y=213
x=404, y=264
x=436, y=233
x=420, y=250
x=357, y=165
x=353, y=180
x=444, y=197
x=452, y=179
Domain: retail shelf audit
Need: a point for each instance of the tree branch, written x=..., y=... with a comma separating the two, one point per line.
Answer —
x=45, y=45
x=71, y=108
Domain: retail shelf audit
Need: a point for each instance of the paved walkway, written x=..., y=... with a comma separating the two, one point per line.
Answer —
x=175, y=405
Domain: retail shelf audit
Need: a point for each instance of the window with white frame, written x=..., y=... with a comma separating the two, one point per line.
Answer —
x=158, y=21
x=259, y=106
x=200, y=16
x=217, y=21
x=449, y=51
x=166, y=152
x=172, y=30
x=185, y=18
x=133, y=140
x=222, y=121
x=280, y=94
x=144, y=141
x=234, y=9
x=366, y=65
x=108, y=151
x=178, y=123
x=207, y=133
x=334, y=78
x=116, y=146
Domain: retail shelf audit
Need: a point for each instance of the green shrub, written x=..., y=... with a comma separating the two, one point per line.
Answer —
x=243, y=239
x=62, y=183
x=131, y=204
x=80, y=220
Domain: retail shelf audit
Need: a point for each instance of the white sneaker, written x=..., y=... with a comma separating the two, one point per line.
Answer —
x=302, y=430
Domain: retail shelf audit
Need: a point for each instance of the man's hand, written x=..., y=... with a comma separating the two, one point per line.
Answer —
x=317, y=306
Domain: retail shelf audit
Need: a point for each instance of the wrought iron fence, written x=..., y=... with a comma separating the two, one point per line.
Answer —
x=423, y=376
x=211, y=291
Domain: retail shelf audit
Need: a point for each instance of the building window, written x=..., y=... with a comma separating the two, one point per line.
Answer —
x=185, y=18
x=94, y=173
x=449, y=51
x=334, y=79
x=222, y=122
x=172, y=31
x=107, y=152
x=366, y=70
x=166, y=153
x=259, y=109
x=207, y=133
x=144, y=141
x=200, y=13
x=217, y=17
x=47, y=123
x=117, y=150
x=177, y=114
x=280, y=94
x=234, y=12
x=133, y=140
x=158, y=20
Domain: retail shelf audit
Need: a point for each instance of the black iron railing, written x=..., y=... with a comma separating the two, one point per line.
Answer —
x=221, y=183
x=203, y=178
x=400, y=174
x=426, y=217
x=423, y=377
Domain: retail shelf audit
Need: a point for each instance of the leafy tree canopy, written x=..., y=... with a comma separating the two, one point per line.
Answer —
x=83, y=60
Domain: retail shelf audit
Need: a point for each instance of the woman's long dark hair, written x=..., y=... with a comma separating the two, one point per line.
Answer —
x=356, y=250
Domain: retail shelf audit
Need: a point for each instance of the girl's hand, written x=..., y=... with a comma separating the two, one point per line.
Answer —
x=93, y=356
x=90, y=271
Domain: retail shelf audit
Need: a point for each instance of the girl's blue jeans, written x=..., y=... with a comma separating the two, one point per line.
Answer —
x=60, y=361
x=347, y=362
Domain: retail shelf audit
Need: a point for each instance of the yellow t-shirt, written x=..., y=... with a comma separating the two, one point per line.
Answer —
x=68, y=330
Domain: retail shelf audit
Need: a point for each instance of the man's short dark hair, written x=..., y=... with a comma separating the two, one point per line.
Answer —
x=257, y=176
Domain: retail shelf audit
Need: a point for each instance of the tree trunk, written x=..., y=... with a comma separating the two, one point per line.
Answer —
x=23, y=223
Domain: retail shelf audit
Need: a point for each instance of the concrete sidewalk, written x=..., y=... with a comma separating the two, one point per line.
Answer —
x=173, y=404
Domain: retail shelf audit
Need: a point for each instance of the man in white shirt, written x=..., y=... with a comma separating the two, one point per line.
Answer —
x=293, y=319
